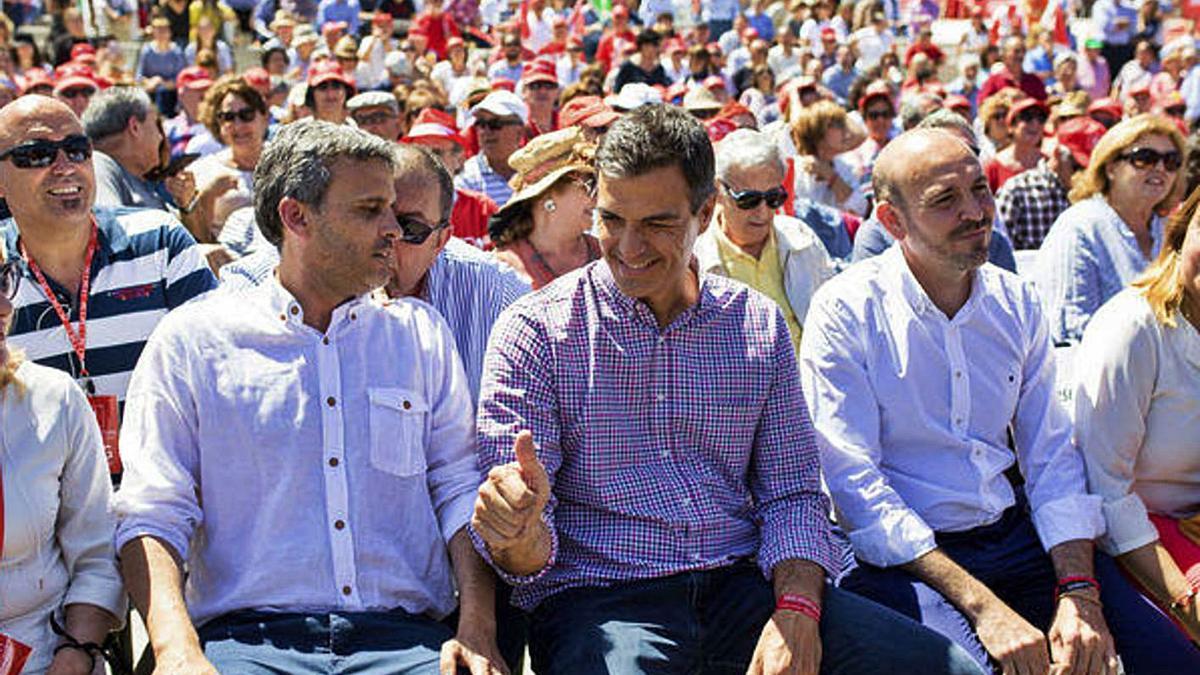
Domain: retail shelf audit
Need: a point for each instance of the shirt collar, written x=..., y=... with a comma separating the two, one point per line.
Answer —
x=284, y=306
x=914, y=294
x=622, y=307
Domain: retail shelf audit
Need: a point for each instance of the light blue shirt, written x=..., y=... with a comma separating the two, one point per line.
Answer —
x=468, y=287
x=338, y=10
x=1104, y=15
x=478, y=175
x=1088, y=257
x=1190, y=90
x=720, y=10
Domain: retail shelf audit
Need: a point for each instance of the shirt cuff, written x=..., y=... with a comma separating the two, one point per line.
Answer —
x=1129, y=525
x=898, y=537
x=803, y=534
x=514, y=579
x=1068, y=519
x=456, y=515
x=127, y=532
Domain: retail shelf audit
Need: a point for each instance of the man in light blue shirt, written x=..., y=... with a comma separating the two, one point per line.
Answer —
x=345, y=11
x=1117, y=21
x=308, y=451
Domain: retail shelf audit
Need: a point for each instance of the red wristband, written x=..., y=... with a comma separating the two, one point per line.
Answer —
x=798, y=603
x=1069, y=584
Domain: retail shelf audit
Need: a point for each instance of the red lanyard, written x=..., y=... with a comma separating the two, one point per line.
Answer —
x=78, y=339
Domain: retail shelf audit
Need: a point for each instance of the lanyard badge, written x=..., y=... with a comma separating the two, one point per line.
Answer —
x=104, y=407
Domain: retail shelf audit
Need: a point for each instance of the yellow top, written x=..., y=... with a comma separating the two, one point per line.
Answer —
x=763, y=274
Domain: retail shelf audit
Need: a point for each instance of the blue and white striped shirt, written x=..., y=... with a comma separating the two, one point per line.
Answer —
x=145, y=265
x=478, y=175
x=468, y=287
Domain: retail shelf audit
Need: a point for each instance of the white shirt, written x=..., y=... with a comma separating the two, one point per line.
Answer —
x=331, y=469
x=1137, y=412
x=912, y=410
x=57, y=521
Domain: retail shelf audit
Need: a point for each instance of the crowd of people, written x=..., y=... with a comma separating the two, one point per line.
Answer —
x=729, y=336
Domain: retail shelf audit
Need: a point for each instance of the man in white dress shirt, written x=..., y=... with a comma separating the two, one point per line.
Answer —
x=309, y=452
x=930, y=378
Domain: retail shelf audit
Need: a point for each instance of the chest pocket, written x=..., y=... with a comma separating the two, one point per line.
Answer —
x=398, y=421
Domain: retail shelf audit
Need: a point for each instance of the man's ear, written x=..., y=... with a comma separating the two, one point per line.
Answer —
x=705, y=213
x=295, y=216
x=443, y=237
x=892, y=219
x=134, y=125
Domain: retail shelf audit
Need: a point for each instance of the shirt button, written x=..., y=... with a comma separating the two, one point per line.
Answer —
x=331, y=401
x=353, y=317
x=294, y=310
x=407, y=405
x=958, y=373
x=339, y=524
x=958, y=421
x=324, y=340
x=686, y=501
x=345, y=590
x=333, y=461
x=660, y=397
x=283, y=317
x=665, y=454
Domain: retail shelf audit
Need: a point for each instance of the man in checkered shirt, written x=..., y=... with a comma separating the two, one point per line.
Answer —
x=654, y=489
x=1030, y=202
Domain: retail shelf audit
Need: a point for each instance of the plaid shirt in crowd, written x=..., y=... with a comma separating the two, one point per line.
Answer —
x=669, y=450
x=1029, y=202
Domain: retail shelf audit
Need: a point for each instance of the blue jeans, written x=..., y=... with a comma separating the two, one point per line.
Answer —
x=1008, y=558
x=709, y=622
x=358, y=643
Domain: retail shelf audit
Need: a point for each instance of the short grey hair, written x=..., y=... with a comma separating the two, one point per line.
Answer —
x=298, y=163
x=109, y=111
x=412, y=158
x=948, y=119
x=914, y=108
x=745, y=148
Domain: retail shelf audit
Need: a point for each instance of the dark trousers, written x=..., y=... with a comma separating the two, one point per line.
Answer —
x=1008, y=558
x=709, y=622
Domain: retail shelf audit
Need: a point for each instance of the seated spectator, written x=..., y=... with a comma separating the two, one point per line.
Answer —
x=207, y=39
x=378, y=565
x=191, y=85
x=500, y=120
x=542, y=231
x=159, y=62
x=1026, y=122
x=329, y=87
x=821, y=132
x=126, y=132
x=1112, y=230
x=377, y=112
x=775, y=254
x=646, y=69
x=57, y=552
x=1137, y=410
x=1013, y=73
x=879, y=116
x=1029, y=203
x=646, y=521
x=991, y=124
x=920, y=365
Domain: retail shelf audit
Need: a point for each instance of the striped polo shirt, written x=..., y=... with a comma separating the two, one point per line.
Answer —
x=145, y=265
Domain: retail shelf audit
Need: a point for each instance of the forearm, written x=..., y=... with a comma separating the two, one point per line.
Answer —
x=530, y=556
x=799, y=577
x=954, y=583
x=153, y=578
x=88, y=623
x=1075, y=558
x=476, y=584
x=1156, y=571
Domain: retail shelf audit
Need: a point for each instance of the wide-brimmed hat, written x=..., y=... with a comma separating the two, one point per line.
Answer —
x=634, y=95
x=544, y=160
x=700, y=99
x=346, y=48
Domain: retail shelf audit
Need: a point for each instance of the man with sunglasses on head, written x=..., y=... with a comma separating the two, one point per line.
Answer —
x=97, y=280
x=930, y=377
x=308, y=450
x=775, y=254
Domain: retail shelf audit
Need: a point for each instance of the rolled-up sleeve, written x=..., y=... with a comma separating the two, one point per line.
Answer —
x=1053, y=469
x=786, y=473
x=883, y=529
x=158, y=495
x=1067, y=279
x=517, y=394
x=1116, y=366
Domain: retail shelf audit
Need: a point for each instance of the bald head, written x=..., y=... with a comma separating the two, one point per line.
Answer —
x=901, y=161
x=28, y=114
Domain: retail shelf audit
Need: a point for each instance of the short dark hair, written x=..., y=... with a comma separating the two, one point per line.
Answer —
x=657, y=136
x=415, y=158
x=298, y=163
x=648, y=37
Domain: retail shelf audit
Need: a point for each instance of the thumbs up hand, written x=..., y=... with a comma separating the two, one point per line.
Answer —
x=508, y=510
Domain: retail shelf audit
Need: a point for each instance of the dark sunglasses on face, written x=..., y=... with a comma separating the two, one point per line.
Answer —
x=76, y=92
x=750, y=199
x=880, y=114
x=10, y=278
x=245, y=115
x=542, y=85
x=1032, y=115
x=495, y=124
x=41, y=153
x=1146, y=158
x=414, y=231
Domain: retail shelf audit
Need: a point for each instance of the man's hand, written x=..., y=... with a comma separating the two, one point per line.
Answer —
x=182, y=662
x=790, y=644
x=73, y=662
x=508, y=511
x=477, y=654
x=1012, y=641
x=182, y=187
x=1079, y=637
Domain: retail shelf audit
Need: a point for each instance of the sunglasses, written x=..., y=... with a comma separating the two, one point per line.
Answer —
x=881, y=114
x=10, y=278
x=368, y=119
x=76, y=92
x=41, y=154
x=1146, y=158
x=495, y=124
x=1031, y=115
x=541, y=85
x=245, y=115
x=414, y=231
x=750, y=199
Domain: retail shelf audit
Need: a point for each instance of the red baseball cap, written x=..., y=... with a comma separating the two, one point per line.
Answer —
x=958, y=102
x=1108, y=106
x=258, y=78
x=433, y=124
x=35, y=78
x=1026, y=104
x=828, y=32
x=540, y=70
x=503, y=83
x=326, y=71
x=620, y=11
x=454, y=42
x=382, y=18
x=873, y=91
x=1080, y=135
x=588, y=111
x=81, y=49
x=193, y=77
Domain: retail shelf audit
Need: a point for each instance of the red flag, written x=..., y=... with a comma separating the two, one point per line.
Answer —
x=575, y=22
x=523, y=20
x=1061, y=36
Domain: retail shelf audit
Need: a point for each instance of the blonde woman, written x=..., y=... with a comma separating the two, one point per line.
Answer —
x=821, y=132
x=56, y=553
x=1138, y=421
x=1112, y=229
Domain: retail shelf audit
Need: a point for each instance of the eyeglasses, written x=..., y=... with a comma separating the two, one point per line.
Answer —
x=368, y=119
x=245, y=115
x=1031, y=115
x=10, y=278
x=41, y=153
x=495, y=124
x=880, y=114
x=414, y=231
x=328, y=84
x=1146, y=158
x=541, y=85
x=76, y=92
x=750, y=199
